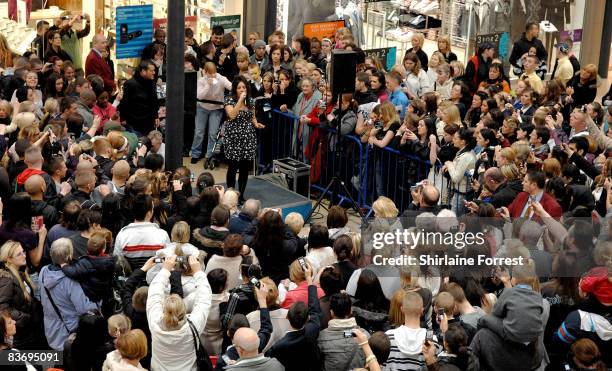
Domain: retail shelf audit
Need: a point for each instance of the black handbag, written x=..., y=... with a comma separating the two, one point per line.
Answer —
x=202, y=358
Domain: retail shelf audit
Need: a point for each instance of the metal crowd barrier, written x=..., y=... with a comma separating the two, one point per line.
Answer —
x=367, y=172
x=278, y=140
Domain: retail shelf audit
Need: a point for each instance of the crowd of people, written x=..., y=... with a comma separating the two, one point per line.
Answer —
x=122, y=265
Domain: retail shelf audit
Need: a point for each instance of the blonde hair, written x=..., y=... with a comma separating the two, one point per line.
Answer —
x=440, y=57
x=181, y=232
x=174, y=313
x=118, y=325
x=509, y=154
x=30, y=133
x=7, y=251
x=296, y=273
x=210, y=68
x=295, y=222
x=591, y=69
x=272, y=294
x=457, y=68
x=385, y=208
x=510, y=171
x=453, y=112
x=419, y=36
x=396, y=317
x=133, y=345
x=51, y=106
x=522, y=150
x=445, y=39
x=241, y=57
x=552, y=167
x=388, y=114
x=6, y=107
x=230, y=200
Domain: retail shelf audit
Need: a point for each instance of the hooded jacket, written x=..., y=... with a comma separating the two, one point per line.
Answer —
x=174, y=349
x=26, y=174
x=338, y=351
x=95, y=275
x=70, y=301
x=406, y=345
x=210, y=240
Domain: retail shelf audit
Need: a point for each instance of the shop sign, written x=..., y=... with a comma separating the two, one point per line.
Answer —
x=500, y=40
x=230, y=23
x=386, y=56
x=322, y=30
x=134, y=29
x=190, y=21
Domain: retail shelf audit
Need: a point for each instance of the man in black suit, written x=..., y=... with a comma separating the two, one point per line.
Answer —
x=298, y=350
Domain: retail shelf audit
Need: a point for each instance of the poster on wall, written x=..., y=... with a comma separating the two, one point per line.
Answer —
x=386, y=56
x=322, y=30
x=134, y=29
x=191, y=22
x=230, y=23
x=301, y=12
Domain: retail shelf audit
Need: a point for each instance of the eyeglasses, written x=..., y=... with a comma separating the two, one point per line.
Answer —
x=21, y=253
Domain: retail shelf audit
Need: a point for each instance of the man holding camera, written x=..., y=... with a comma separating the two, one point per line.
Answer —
x=71, y=39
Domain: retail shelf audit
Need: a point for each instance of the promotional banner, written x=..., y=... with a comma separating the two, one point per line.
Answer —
x=190, y=21
x=134, y=29
x=230, y=23
x=501, y=40
x=322, y=30
x=386, y=56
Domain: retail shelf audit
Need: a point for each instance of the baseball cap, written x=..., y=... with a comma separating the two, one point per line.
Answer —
x=259, y=44
x=111, y=125
x=563, y=47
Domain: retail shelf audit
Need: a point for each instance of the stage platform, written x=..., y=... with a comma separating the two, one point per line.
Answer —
x=275, y=196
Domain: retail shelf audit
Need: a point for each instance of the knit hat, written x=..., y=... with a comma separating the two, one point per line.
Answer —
x=563, y=47
x=112, y=126
x=259, y=44
x=597, y=282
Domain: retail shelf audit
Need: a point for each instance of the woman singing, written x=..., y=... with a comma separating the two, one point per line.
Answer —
x=240, y=137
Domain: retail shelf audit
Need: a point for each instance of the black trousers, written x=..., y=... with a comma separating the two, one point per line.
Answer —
x=242, y=167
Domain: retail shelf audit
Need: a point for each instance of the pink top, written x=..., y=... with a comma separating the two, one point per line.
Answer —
x=212, y=90
x=300, y=293
x=105, y=114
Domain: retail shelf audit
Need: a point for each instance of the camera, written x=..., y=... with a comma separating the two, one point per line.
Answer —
x=417, y=185
x=255, y=282
x=348, y=334
x=378, y=125
x=179, y=259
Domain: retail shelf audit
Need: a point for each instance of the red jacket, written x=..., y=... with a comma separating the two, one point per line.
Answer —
x=300, y=293
x=548, y=203
x=94, y=64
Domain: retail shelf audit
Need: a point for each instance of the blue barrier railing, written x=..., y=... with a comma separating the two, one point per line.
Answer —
x=368, y=172
x=278, y=140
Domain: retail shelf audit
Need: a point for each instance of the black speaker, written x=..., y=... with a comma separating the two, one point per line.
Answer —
x=342, y=72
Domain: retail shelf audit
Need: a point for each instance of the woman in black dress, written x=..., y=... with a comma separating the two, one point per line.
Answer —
x=240, y=136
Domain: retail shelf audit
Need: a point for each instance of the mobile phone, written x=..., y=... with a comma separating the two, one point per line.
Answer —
x=348, y=334
x=192, y=177
x=37, y=223
x=302, y=263
x=440, y=314
x=86, y=156
x=159, y=260
x=255, y=282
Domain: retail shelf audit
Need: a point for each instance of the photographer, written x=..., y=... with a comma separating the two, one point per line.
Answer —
x=260, y=290
x=70, y=37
